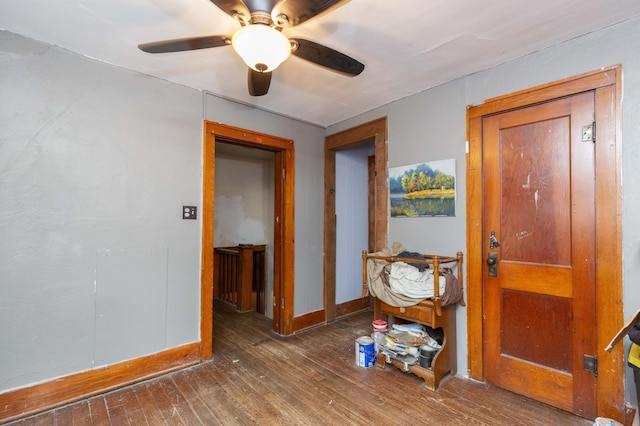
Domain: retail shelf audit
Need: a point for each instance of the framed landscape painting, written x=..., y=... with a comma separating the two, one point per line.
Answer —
x=426, y=189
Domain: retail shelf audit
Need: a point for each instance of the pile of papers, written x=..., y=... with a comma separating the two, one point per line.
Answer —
x=404, y=340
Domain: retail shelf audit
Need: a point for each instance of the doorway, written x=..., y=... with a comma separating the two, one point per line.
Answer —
x=283, y=239
x=243, y=227
x=543, y=232
x=372, y=132
x=352, y=197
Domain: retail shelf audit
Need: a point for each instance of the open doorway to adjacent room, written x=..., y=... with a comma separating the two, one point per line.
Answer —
x=355, y=172
x=243, y=226
x=282, y=151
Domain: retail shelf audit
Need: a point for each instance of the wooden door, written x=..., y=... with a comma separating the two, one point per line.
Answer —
x=539, y=210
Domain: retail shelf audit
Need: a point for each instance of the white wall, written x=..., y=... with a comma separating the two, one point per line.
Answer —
x=244, y=203
x=96, y=264
x=431, y=126
x=352, y=219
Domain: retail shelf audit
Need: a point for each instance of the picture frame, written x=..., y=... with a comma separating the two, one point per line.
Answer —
x=423, y=190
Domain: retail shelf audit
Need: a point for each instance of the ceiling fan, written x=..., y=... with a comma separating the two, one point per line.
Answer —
x=260, y=42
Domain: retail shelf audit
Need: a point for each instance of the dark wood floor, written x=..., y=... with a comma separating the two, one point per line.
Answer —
x=310, y=378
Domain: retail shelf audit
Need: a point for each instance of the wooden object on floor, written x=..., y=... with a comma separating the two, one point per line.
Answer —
x=429, y=312
x=240, y=276
x=445, y=361
x=309, y=378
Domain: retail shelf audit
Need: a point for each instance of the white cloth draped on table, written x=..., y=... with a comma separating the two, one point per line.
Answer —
x=410, y=281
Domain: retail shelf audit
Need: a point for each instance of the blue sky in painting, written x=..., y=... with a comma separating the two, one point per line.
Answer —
x=448, y=167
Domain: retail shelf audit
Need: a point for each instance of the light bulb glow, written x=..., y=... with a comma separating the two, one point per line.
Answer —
x=261, y=47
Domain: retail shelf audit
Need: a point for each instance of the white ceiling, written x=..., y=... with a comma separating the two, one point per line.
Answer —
x=407, y=46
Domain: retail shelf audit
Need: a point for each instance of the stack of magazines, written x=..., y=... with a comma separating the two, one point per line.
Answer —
x=404, y=340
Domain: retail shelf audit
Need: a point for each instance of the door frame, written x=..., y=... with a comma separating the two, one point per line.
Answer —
x=607, y=84
x=283, y=250
x=375, y=131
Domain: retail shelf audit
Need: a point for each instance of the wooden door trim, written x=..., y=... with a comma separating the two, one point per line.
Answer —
x=609, y=316
x=373, y=195
x=283, y=234
x=376, y=131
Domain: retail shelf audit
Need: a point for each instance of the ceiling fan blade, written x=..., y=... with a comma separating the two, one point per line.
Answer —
x=258, y=82
x=326, y=57
x=233, y=7
x=182, y=44
x=298, y=11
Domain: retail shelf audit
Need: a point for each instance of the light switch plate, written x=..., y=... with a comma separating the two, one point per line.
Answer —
x=189, y=212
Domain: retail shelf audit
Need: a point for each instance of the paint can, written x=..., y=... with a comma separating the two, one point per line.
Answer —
x=365, y=352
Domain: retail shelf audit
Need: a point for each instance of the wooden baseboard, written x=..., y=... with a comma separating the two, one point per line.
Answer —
x=629, y=415
x=31, y=400
x=319, y=317
x=308, y=320
x=353, y=306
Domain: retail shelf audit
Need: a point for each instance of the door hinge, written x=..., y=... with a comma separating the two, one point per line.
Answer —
x=591, y=363
x=589, y=133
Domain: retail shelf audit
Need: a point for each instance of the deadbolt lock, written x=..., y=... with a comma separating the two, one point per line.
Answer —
x=492, y=262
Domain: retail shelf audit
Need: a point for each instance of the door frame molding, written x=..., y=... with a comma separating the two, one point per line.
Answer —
x=375, y=131
x=283, y=250
x=607, y=84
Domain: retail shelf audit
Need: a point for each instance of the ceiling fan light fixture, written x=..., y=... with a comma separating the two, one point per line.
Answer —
x=261, y=47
